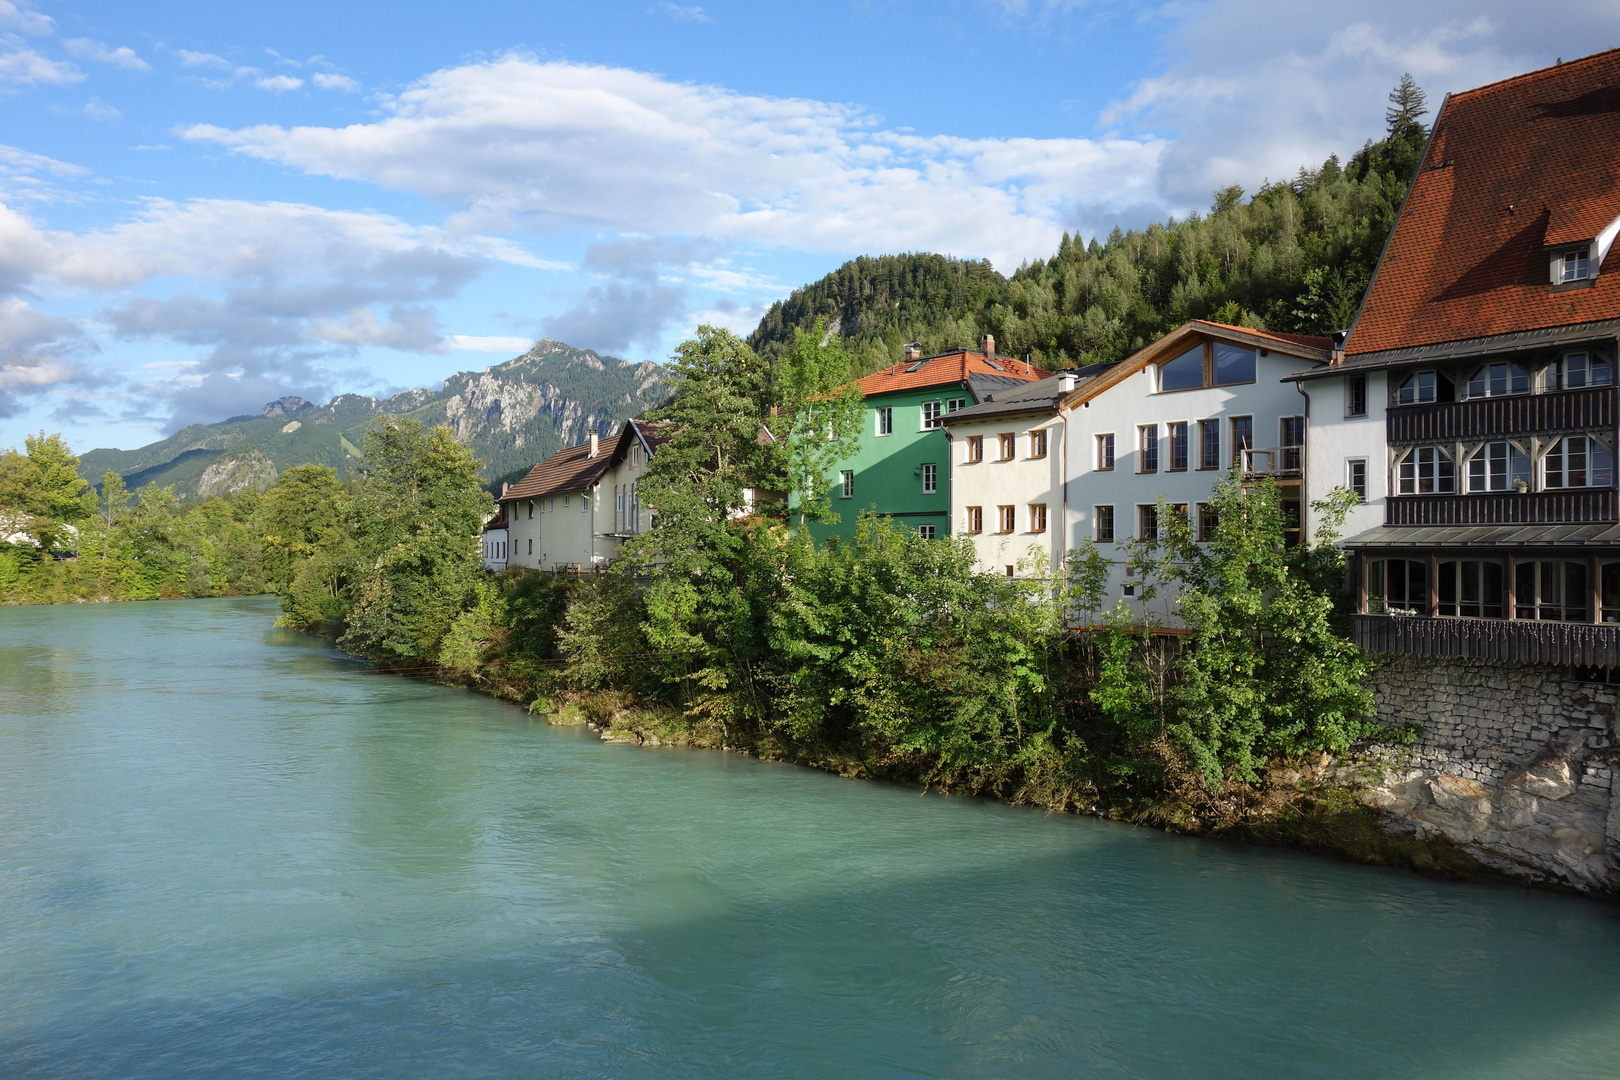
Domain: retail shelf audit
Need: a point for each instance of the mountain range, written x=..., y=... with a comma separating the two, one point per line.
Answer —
x=513, y=415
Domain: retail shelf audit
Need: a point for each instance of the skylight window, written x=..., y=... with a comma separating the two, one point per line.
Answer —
x=1571, y=264
x=995, y=365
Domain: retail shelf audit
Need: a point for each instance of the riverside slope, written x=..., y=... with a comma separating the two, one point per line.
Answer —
x=512, y=415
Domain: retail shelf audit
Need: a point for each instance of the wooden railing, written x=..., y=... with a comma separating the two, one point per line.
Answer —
x=1518, y=640
x=1502, y=507
x=1483, y=418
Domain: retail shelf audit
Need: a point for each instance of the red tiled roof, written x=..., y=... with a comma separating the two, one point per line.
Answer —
x=946, y=369
x=1310, y=341
x=1511, y=169
x=569, y=470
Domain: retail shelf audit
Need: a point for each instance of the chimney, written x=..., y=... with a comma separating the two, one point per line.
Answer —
x=593, y=444
x=913, y=351
x=989, y=344
x=1065, y=382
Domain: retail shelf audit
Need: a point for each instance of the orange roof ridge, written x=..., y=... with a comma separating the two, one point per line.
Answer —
x=1527, y=75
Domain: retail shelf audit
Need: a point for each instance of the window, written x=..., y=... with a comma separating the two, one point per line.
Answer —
x=565, y=502
x=973, y=520
x=1420, y=388
x=1242, y=437
x=1575, y=370
x=1424, y=470
x=1037, y=517
x=885, y=420
x=1105, y=453
x=975, y=449
x=846, y=484
x=618, y=499
x=1398, y=586
x=925, y=531
x=930, y=413
x=1037, y=443
x=930, y=478
x=1178, y=447
x=1578, y=461
x=1105, y=524
x=1498, y=380
x=1292, y=429
x=1498, y=466
x=531, y=547
x=1185, y=372
x=1207, y=521
x=1209, y=444
x=1232, y=364
x=1147, y=521
x=956, y=404
x=1009, y=570
x=1009, y=446
x=1355, y=396
x=1355, y=477
x=1554, y=590
x=1471, y=589
x=1007, y=518
x=531, y=508
x=1611, y=592
x=584, y=501
x=1571, y=264
x=1148, y=439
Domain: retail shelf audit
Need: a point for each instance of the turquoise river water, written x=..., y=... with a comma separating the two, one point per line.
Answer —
x=227, y=852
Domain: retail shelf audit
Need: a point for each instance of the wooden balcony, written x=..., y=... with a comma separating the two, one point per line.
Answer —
x=1489, y=418
x=1502, y=508
x=1520, y=641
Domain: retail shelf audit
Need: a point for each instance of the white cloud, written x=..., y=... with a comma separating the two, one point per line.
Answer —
x=96, y=109
x=23, y=18
x=326, y=81
x=202, y=59
x=123, y=56
x=25, y=67
x=679, y=13
x=278, y=84
x=625, y=151
x=474, y=343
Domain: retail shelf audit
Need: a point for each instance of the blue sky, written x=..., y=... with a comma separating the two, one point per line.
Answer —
x=205, y=206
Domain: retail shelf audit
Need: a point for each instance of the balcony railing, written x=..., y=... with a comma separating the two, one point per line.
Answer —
x=1521, y=641
x=1485, y=418
x=1502, y=508
x=1273, y=461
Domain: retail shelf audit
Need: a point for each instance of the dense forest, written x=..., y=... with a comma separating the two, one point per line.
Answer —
x=1296, y=256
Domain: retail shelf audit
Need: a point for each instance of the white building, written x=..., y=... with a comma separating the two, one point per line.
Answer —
x=1052, y=468
x=1345, y=441
x=496, y=542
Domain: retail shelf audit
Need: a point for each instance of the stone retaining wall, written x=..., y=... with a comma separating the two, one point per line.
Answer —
x=1515, y=763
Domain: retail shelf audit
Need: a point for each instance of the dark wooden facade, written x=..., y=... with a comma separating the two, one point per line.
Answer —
x=1494, y=418
x=1521, y=641
x=1502, y=508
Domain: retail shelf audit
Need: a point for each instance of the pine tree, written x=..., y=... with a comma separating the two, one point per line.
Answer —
x=1407, y=102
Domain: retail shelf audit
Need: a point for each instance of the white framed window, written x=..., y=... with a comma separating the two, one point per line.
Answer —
x=846, y=484
x=930, y=478
x=973, y=520
x=618, y=500
x=1425, y=470
x=1355, y=396
x=1498, y=466
x=565, y=502
x=930, y=415
x=1578, y=461
x=635, y=456
x=584, y=501
x=955, y=404
x=885, y=420
x=1355, y=477
x=1498, y=380
x=925, y=531
x=1571, y=264
x=1417, y=388
x=1104, y=518
x=1577, y=370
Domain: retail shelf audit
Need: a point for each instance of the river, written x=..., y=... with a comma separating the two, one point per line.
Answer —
x=225, y=851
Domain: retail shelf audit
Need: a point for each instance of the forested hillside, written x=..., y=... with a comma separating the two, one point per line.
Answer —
x=1296, y=256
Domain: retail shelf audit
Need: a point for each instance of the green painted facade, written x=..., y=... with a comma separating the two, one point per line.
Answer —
x=889, y=469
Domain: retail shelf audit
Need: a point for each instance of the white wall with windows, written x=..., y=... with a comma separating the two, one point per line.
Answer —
x=1346, y=447
x=1006, y=490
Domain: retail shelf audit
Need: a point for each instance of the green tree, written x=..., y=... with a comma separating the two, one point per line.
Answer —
x=820, y=413
x=43, y=492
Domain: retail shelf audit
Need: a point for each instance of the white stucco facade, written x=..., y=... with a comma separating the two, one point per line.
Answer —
x=559, y=531
x=1031, y=478
x=1338, y=436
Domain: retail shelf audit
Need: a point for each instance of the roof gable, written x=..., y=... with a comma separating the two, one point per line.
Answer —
x=1318, y=350
x=569, y=470
x=952, y=368
x=1512, y=170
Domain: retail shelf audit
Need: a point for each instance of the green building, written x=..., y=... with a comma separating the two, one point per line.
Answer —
x=903, y=466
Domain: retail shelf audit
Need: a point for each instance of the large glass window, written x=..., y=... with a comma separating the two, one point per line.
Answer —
x=1498, y=466
x=1471, y=589
x=1398, y=586
x=1498, y=380
x=1425, y=470
x=1553, y=589
x=1578, y=370
x=1185, y=372
x=1578, y=461
x=1233, y=364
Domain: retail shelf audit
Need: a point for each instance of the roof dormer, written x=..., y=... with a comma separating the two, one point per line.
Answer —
x=1576, y=248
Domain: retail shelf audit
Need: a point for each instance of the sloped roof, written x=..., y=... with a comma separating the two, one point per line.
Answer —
x=567, y=470
x=1041, y=396
x=1511, y=168
x=952, y=368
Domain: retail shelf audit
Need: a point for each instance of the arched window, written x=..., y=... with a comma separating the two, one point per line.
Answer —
x=1425, y=470
x=1417, y=388
x=1498, y=380
x=1498, y=466
x=1576, y=370
x=1578, y=461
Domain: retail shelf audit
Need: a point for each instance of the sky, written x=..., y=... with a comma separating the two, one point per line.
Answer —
x=206, y=206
